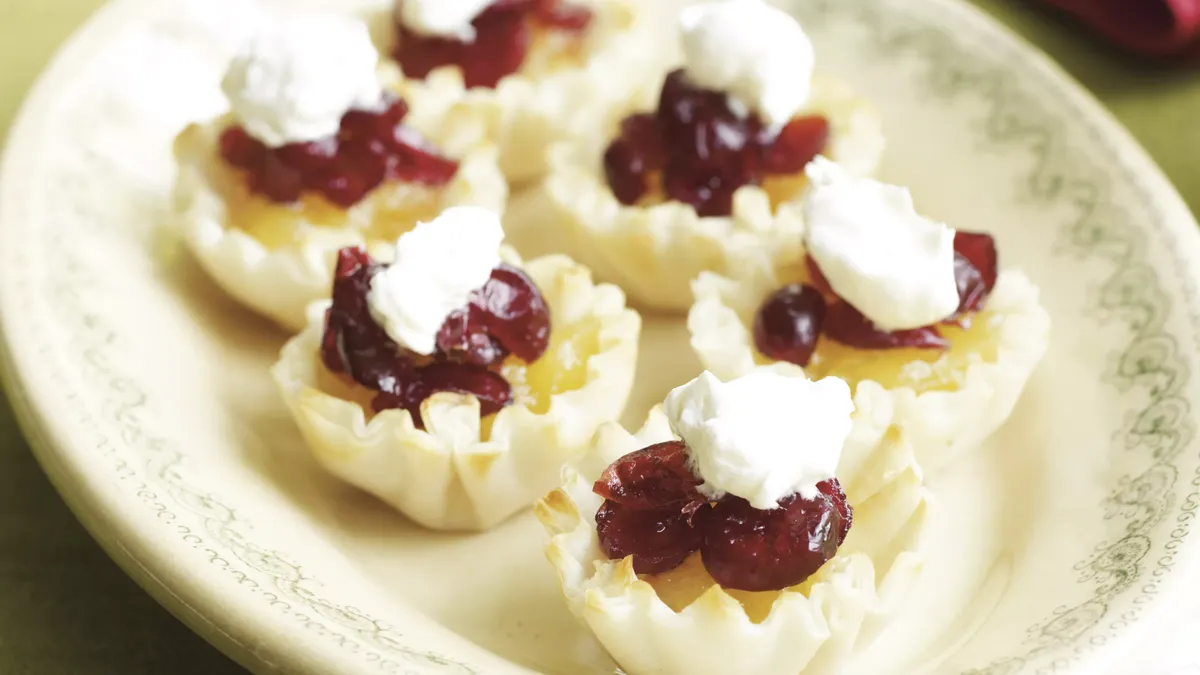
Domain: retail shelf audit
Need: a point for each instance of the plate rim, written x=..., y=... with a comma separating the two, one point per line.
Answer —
x=81, y=495
x=84, y=493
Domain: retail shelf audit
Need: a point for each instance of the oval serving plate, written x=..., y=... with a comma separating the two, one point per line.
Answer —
x=146, y=395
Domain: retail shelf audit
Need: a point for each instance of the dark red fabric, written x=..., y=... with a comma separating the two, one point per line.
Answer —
x=1151, y=27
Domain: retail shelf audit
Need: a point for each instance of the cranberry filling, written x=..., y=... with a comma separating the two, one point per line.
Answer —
x=483, y=333
x=503, y=33
x=369, y=148
x=704, y=149
x=653, y=512
x=790, y=321
x=847, y=325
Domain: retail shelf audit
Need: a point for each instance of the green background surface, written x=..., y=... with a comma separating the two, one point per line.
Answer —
x=66, y=608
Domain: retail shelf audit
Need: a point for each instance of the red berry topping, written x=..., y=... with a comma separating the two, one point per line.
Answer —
x=508, y=314
x=749, y=549
x=650, y=504
x=705, y=150
x=845, y=324
x=463, y=339
x=653, y=512
x=650, y=478
x=789, y=323
x=658, y=539
x=353, y=343
x=240, y=149
x=797, y=144
x=975, y=269
x=514, y=312
x=370, y=147
x=503, y=33
x=631, y=158
x=492, y=390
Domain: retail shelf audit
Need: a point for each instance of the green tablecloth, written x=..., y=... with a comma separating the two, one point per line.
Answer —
x=58, y=591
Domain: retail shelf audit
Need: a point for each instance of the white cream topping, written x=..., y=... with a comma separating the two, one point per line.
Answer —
x=881, y=256
x=437, y=266
x=441, y=18
x=292, y=81
x=755, y=53
x=763, y=436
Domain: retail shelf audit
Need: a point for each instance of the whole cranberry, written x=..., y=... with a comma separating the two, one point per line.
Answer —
x=749, y=549
x=789, y=323
x=507, y=315
x=658, y=539
x=650, y=478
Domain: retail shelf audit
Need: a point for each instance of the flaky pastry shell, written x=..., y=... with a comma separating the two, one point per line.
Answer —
x=939, y=424
x=281, y=282
x=815, y=632
x=654, y=252
x=449, y=476
x=621, y=58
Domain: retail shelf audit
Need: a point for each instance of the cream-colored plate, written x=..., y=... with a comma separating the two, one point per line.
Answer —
x=146, y=393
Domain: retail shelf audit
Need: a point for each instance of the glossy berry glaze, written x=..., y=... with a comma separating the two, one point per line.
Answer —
x=653, y=512
x=504, y=33
x=370, y=147
x=506, y=316
x=700, y=151
x=790, y=321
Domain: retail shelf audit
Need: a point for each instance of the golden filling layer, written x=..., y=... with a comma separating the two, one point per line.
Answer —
x=921, y=369
x=683, y=585
x=388, y=212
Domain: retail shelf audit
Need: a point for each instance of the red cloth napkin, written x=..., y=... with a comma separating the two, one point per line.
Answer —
x=1152, y=27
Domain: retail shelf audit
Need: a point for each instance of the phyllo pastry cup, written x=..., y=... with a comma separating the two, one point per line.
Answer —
x=461, y=472
x=946, y=402
x=682, y=622
x=655, y=248
x=568, y=84
x=278, y=258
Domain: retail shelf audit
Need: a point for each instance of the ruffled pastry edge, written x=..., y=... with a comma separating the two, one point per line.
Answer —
x=625, y=59
x=940, y=424
x=280, y=283
x=815, y=633
x=446, y=477
x=655, y=252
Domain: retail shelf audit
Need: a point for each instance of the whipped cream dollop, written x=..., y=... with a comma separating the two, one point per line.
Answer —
x=292, y=81
x=755, y=53
x=764, y=436
x=878, y=254
x=438, y=264
x=441, y=18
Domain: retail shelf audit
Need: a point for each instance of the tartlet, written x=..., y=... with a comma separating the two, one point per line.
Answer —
x=949, y=390
x=271, y=245
x=449, y=467
x=537, y=72
x=671, y=623
x=612, y=203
